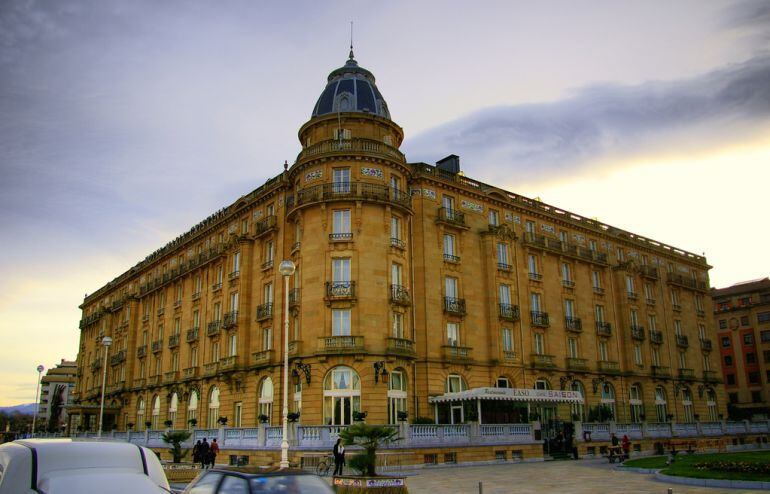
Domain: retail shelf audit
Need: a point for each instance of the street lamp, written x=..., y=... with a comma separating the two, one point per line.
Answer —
x=286, y=269
x=40, y=370
x=106, y=341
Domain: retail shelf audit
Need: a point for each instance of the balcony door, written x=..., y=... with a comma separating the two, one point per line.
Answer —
x=342, y=396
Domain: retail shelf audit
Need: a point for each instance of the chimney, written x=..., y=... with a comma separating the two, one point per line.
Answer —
x=449, y=164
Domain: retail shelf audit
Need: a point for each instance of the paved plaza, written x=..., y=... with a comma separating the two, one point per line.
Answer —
x=588, y=477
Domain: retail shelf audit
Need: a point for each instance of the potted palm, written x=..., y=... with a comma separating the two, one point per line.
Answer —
x=369, y=438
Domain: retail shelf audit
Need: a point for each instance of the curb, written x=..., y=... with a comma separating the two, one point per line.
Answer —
x=621, y=468
x=729, y=484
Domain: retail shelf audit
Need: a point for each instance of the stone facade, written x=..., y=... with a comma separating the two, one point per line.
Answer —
x=443, y=282
x=742, y=314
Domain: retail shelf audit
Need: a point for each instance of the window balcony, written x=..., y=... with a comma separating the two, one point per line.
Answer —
x=161, y=311
x=603, y=328
x=564, y=248
x=535, y=276
x=153, y=380
x=263, y=358
x=399, y=295
x=632, y=295
x=171, y=376
x=686, y=373
x=568, y=284
x=660, y=371
x=400, y=347
x=210, y=369
x=454, y=306
x=656, y=337
x=192, y=335
x=157, y=346
x=637, y=333
x=295, y=347
x=264, y=311
x=146, y=318
x=233, y=275
x=573, y=324
x=216, y=286
x=609, y=367
x=598, y=290
x=265, y=225
x=196, y=295
x=451, y=258
x=534, y=239
x=190, y=373
x=710, y=376
x=214, y=328
x=459, y=354
x=682, y=341
x=510, y=356
x=96, y=365
x=577, y=364
x=340, y=237
x=501, y=266
x=397, y=243
x=177, y=304
x=539, y=319
x=267, y=264
x=451, y=217
x=700, y=313
x=340, y=344
x=230, y=363
x=650, y=301
x=348, y=191
x=141, y=351
x=294, y=297
x=705, y=344
x=230, y=320
x=118, y=358
x=173, y=341
x=686, y=282
x=540, y=361
x=676, y=307
x=340, y=290
x=650, y=272
x=508, y=312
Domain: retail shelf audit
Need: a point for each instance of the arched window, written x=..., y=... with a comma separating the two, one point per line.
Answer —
x=661, y=404
x=192, y=407
x=266, y=400
x=578, y=410
x=173, y=405
x=396, y=395
x=213, y=408
x=455, y=383
x=140, y=415
x=608, y=398
x=502, y=382
x=342, y=395
x=155, y=412
x=711, y=405
x=542, y=384
x=635, y=402
x=687, y=405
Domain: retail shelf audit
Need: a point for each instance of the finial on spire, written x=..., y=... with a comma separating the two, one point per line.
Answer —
x=285, y=165
x=350, y=56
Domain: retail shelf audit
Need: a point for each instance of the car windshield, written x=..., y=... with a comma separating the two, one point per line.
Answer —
x=289, y=484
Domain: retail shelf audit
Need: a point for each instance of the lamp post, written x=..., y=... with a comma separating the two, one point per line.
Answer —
x=40, y=370
x=106, y=341
x=286, y=269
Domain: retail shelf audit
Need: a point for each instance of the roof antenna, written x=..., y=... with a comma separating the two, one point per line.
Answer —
x=350, y=56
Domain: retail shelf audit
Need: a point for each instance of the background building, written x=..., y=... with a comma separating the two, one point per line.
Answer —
x=413, y=282
x=55, y=395
x=742, y=313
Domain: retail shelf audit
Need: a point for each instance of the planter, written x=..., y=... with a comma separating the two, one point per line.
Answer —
x=380, y=484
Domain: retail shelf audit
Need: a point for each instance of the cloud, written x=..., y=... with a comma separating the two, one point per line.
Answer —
x=534, y=141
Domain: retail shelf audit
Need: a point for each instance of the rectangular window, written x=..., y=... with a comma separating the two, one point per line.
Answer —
x=725, y=342
x=215, y=351
x=267, y=339
x=649, y=294
x=269, y=252
x=448, y=202
x=699, y=302
x=175, y=361
x=504, y=294
x=634, y=317
x=450, y=287
x=217, y=311
x=655, y=355
x=453, y=334
x=502, y=254
x=529, y=226
x=341, y=221
x=596, y=279
x=630, y=288
x=564, y=236
x=341, y=179
x=569, y=308
x=572, y=347
x=765, y=336
x=701, y=332
x=267, y=293
x=236, y=262
x=723, y=324
x=234, y=301
x=177, y=325
x=398, y=325
x=603, y=353
x=682, y=360
x=751, y=358
x=638, y=355
x=507, y=335
x=566, y=272
x=592, y=245
x=706, y=362
x=766, y=356
x=748, y=339
x=340, y=322
x=194, y=356
x=599, y=313
x=494, y=219
x=728, y=361
x=341, y=269
x=532, y=264
x=534, y=300
x=220, y=274
x=754, y=378
x=539, y=344
x=396, y=274
x=395, y=227
x=449, y=245
x=675, y=297
x=763, y=317
x=730, y=379
x=238, y=412
x=677, y=326
x=232, y=344
x=744, y=320
x=652, y=322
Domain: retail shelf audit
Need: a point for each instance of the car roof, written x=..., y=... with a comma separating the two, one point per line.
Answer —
x=262, y=471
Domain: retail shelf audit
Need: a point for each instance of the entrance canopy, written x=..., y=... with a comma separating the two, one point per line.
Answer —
x=540, y=396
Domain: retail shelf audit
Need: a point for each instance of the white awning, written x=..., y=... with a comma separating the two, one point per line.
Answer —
x=511, y=394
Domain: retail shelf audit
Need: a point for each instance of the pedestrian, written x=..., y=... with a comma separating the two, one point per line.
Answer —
x=339, y=457
x=213, y=452
x=196, y=452
x=626, y=444
x=203, y=453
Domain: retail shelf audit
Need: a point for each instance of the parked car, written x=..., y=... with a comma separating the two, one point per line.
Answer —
x=254, y=480
x=64, y=466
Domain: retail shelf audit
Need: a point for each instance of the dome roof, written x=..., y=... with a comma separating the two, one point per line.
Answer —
x=351, y=89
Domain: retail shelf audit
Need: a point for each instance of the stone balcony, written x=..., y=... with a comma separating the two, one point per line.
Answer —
x=229, y=363
x=190, y=373
x=660, y=371
x=685, y=373
x=451, y=217
x=608, y=367
x=170, y=376
x=400, y=347
x=710, y=376
x=210, y=369
x=457, y=354
x=541, y=361
x=577, y=364
x=340, y=344
x=263, y=358
x=649, y=271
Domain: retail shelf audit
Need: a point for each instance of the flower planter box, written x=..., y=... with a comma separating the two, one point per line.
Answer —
x=380, y=484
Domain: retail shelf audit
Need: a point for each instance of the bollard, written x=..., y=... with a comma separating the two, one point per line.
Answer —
x=481, y=487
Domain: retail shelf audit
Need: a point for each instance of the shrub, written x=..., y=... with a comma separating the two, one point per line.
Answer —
x=423, y=420
x=175, y=440
x=369, y=437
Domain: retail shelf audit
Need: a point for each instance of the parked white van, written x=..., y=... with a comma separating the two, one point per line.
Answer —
x=64, y=466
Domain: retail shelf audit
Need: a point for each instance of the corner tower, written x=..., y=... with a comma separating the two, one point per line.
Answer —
x=350, y=212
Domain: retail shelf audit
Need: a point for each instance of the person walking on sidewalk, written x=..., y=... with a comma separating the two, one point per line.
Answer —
x=214, y=450
x=339, y=457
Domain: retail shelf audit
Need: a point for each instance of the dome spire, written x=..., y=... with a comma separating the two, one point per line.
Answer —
x=350, y=56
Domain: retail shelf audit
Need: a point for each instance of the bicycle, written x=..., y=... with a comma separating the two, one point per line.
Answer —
x=324, y=467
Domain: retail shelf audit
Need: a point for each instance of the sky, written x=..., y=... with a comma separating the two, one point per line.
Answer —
x=122, y=124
